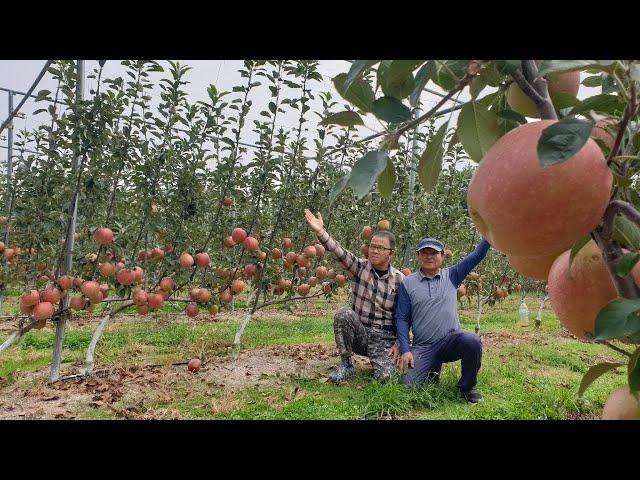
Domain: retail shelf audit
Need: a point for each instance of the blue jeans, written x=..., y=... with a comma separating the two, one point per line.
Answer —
x=456, y=345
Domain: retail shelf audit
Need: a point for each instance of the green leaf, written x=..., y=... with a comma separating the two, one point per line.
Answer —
x=562, y=140
x=592, y=81
x=594, y=373
x=564, y=100
x=453, y=140
x=617, y=319
x=626, y=264
x=599, y=103
x=422, y=78
x=347, y=118
x=477, y=129
x=509, y=114
x=338, y=188
x=633, y=372
x=391, y=142
x=635, y=199
x=477, y=85
x=626, y=233
x=42, y=94
x=430, y=163
x=609, y=85
x=507, y=67
x=448, y=73
x=387, y=179
x=400, y=69
x=552, y=66
x=491, y=99
x=360, y=93
x=395, y=83
x=272, y=107
x=390, y=110
x=490, y=74
x=576, y=248
x=365, y=171
x=357, y=70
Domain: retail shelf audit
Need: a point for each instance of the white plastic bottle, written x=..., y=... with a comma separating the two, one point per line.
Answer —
x=523, y=312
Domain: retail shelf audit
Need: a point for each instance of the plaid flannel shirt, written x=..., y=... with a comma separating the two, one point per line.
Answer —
x=374, y=298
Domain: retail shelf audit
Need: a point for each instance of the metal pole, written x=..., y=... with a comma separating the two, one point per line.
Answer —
x=10, y=143
x=32, y=96
x=415, y=151
x=68, y=258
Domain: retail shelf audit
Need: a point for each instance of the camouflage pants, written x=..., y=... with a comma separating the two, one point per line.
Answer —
x=352, y=336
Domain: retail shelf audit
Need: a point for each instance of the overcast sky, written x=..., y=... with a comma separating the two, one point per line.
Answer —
x=19, y=75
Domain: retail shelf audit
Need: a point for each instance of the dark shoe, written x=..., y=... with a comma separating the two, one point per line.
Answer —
x=342, y=372
x=472, y=396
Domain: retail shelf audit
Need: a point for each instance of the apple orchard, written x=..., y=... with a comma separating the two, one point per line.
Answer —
x=120, y=206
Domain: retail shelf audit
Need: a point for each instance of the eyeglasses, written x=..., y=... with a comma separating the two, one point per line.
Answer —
x=379, y=248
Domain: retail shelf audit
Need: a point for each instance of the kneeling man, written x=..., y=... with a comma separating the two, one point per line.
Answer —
x=427, y=304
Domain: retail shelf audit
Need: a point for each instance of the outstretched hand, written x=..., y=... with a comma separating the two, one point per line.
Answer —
x=316, y=223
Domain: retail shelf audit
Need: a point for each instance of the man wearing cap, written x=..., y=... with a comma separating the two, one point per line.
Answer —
x=427, y=304
x=368, y=326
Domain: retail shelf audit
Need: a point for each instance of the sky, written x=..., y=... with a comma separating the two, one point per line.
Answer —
x=20, y=74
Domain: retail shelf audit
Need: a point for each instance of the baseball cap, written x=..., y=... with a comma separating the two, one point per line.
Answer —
x=430, y=243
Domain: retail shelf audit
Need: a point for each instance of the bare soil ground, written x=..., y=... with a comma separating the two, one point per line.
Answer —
x=33, y=397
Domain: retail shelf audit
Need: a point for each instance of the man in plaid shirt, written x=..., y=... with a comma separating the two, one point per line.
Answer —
x=367, y=328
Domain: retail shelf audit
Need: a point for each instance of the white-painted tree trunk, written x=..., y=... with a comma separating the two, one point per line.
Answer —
x=235, y=349
x=89, y=360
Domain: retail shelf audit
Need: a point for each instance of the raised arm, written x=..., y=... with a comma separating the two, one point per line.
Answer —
x=347, y=259
x=468, y=263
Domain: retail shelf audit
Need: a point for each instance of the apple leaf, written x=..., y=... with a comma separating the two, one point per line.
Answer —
x=576, y=248
x=365, y=171
x=358, y=68
x=390, y=110
x=552, y=66
x=430, y=163
x=360, y=93
x=348, y=118
x=421, y=80
x=338, y=188
x=626, y=233
x=387, y=179
x=626, y=264
x=478, y=129
x=618, y=318
x=594, y=373
x=562, y=140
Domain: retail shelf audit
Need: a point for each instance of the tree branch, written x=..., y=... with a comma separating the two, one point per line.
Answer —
x=539, y=95
x=290, y=299
x=612, y=251
x=461, y=85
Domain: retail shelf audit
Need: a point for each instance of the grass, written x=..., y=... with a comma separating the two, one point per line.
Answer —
x=525, y=374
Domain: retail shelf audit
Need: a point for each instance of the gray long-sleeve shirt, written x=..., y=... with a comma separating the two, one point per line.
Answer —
x=429, y=305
